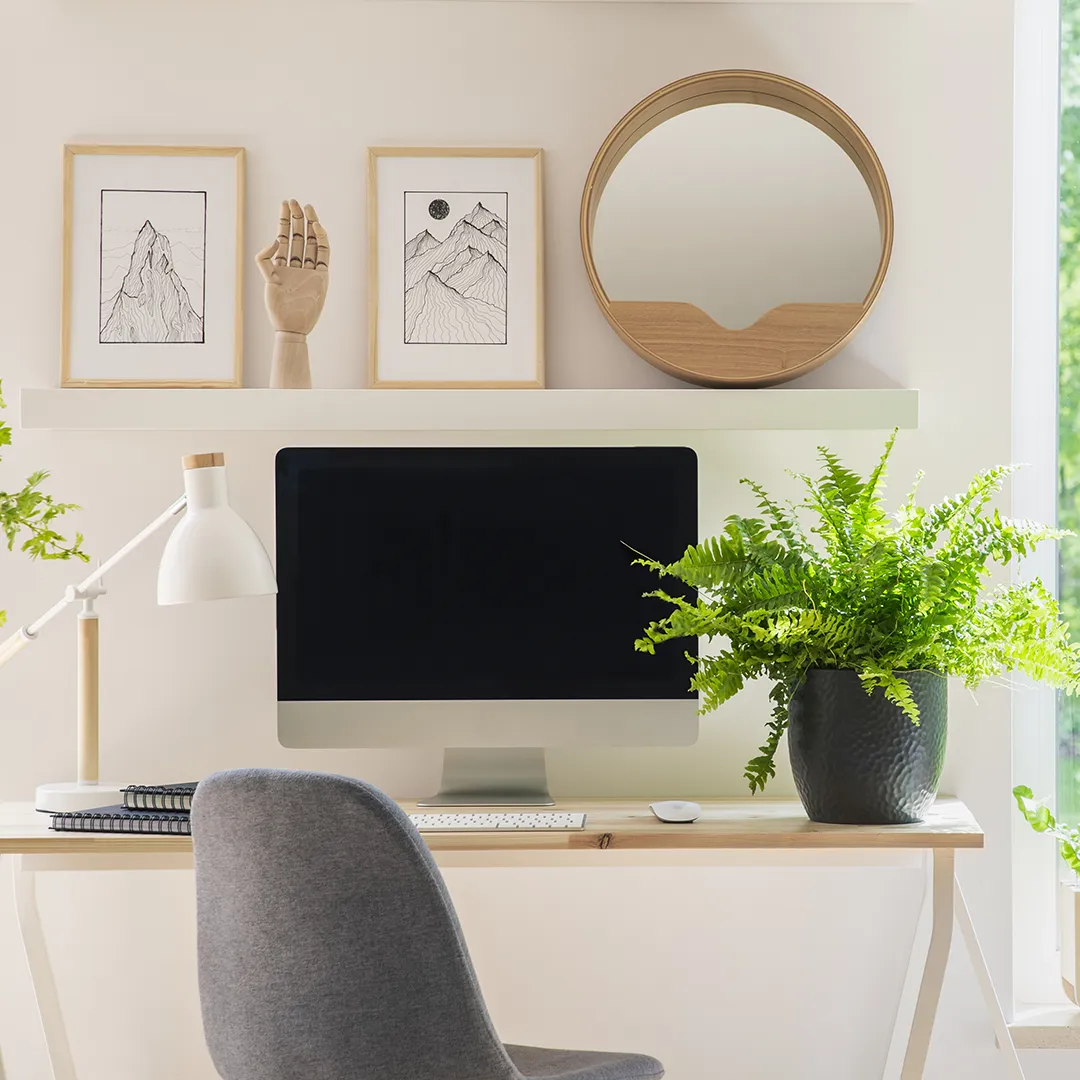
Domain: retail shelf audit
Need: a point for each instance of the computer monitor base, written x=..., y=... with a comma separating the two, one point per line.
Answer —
x=508, y=776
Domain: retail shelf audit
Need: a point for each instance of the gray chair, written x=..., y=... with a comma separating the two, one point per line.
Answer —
x=329, y=948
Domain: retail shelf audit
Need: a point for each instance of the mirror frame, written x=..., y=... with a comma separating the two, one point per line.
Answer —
x=787, y=340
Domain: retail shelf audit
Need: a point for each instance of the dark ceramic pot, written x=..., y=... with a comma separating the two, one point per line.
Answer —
x=857, y=759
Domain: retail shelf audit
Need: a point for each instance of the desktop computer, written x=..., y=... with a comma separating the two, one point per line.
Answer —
x=483, y=600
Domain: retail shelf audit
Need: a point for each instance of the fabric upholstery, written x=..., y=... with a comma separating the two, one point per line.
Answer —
x=536, y=1063
x=329, y=948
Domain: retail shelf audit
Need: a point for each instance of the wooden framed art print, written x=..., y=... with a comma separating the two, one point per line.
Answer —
x=456, y=267
x=153, y=266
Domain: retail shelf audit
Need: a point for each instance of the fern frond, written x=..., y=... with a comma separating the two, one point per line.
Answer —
x=896, y=689
x=833, y=526
x=969, y=504
x=718, y=679
x=783, y=521
x=868, y=515
x=910, y=516
x=845, y=486
x=761, y=769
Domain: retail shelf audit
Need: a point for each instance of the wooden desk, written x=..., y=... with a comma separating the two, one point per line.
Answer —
x=615, y=832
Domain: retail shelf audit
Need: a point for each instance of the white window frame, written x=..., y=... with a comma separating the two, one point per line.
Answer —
x=1036, y=134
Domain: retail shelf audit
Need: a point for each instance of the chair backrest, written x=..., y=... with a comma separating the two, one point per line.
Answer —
x=328, y=946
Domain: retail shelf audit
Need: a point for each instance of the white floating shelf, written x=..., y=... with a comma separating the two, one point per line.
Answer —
x=719, y=1
x=469, y=410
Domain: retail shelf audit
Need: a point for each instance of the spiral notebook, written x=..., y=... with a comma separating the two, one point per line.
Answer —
x=158, y=796
x=120, y=819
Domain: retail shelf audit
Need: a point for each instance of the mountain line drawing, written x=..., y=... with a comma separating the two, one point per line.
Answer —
x=419, y=244
x=447, y=270
x=482, y=278
x=437, y=314
x=152, y=304
x=495, y=230
x=455, y=289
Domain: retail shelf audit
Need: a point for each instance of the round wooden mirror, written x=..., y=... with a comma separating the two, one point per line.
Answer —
x=736, y=228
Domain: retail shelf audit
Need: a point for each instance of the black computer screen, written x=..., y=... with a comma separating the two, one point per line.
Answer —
x=478, y=573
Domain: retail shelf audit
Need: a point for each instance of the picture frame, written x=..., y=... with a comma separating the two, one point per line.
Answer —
x=153, y=266
x=470, y=315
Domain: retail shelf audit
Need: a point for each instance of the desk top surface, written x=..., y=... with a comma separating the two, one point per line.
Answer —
x=618, y=824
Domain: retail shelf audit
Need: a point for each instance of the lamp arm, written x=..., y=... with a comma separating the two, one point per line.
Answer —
x=22, y=637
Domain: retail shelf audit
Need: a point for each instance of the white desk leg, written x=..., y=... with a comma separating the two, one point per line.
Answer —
x=986, y=985
x=41, y=975
x=3, y=1075
x=937, y=957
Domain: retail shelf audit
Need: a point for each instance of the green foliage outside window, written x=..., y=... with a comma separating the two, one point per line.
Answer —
x=1069, y=395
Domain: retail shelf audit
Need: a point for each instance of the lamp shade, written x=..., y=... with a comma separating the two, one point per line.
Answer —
x=213, y=553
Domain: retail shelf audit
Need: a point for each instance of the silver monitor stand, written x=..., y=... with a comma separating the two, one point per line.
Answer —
x=482, y=776
x=495, y=757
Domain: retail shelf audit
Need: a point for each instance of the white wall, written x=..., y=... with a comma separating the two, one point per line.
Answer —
x=792, y=972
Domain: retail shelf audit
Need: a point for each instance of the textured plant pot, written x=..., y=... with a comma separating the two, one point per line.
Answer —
x=857, y=759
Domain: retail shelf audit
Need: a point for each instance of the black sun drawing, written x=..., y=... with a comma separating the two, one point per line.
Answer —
x=438, y=209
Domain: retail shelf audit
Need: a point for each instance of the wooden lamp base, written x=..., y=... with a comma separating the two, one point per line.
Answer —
x=72, y=797
x=88, y=792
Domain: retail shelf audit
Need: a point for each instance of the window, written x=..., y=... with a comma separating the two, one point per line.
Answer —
x=1068, y=796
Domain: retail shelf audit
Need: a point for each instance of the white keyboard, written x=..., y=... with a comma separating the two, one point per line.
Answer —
x=498, y=822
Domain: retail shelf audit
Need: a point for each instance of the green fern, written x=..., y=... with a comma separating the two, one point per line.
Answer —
x=861, y=589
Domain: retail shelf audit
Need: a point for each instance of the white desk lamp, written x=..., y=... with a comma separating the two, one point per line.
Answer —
x=212, y=554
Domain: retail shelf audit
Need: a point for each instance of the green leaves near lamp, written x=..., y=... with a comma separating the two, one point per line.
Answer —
x=857, y=621
x=32, y=513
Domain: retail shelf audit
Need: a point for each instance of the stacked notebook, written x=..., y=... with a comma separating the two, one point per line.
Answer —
x=163, y=809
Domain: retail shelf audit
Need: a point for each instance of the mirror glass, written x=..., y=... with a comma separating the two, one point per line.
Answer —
x=737, y=209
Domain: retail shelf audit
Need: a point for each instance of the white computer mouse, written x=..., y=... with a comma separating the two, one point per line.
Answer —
x=676, y=810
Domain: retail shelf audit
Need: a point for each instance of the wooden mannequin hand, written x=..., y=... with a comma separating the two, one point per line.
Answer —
x=296, y=275
x=296, y=267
